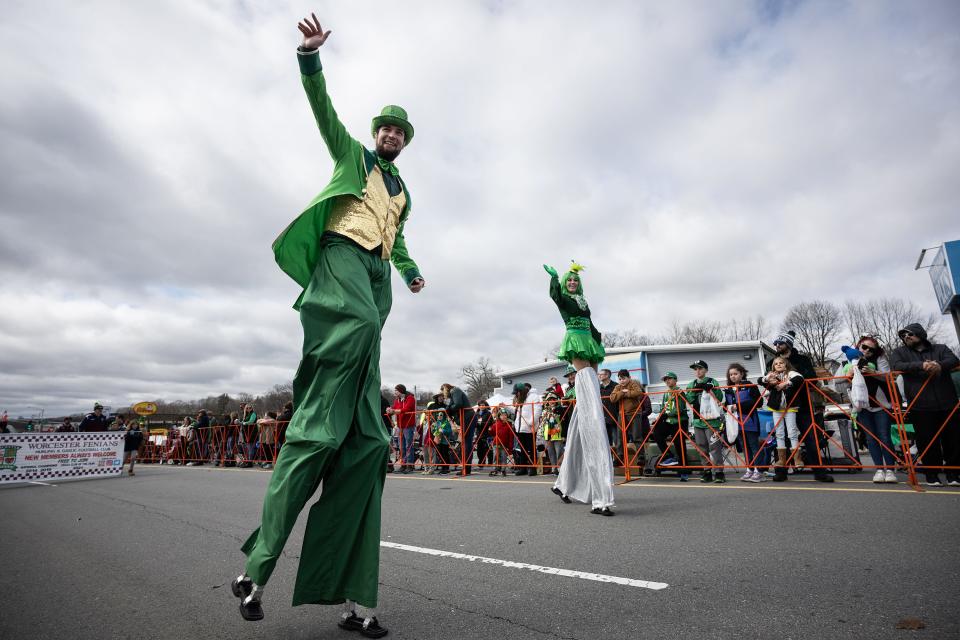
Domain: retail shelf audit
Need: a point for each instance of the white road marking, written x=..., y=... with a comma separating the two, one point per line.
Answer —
x=567, y=573
x=46, y=484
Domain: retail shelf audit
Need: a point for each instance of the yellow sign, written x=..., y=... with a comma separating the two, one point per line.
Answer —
x=145, y=408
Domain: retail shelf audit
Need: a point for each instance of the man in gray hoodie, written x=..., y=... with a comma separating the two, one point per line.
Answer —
x=932, y=399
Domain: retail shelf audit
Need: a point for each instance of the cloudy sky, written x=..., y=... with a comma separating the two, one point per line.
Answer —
x=703, y=159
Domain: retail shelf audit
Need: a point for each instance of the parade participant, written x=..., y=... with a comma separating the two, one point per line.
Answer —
x=132, y=440
x=94, y=421
x=586, y=473
x=338, y=250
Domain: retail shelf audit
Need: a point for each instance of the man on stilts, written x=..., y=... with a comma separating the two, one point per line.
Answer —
x=339, y=251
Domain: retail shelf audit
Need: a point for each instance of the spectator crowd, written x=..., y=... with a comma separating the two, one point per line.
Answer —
x=770, y=428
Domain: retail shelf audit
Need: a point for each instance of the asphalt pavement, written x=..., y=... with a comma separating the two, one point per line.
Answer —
x=151, y=556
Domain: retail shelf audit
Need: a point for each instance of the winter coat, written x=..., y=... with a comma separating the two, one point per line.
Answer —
x=791, y=397
x=939, y=394
x=745, y=398
x=694, y=391
x=627, y=394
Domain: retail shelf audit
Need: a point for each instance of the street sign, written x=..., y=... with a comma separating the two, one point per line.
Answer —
x=145, y=408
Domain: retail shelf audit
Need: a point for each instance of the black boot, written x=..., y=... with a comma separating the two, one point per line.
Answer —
x=706, y=476
x=779, y=474
x=822, y=476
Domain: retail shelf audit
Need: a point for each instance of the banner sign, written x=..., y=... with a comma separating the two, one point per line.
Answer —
x=145, y=408
x=25, y=457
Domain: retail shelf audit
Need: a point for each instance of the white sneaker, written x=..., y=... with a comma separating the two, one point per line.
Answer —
x=890, y=477
x=757, y=477
x=954, y=483
x=746, y=477
x=878, y=477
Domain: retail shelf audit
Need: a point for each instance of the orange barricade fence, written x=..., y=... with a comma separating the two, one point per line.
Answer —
x=229, y=445
x=910, y=434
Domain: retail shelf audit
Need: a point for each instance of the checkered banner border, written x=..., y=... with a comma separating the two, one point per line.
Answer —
x=112, y=438
x=66, y=473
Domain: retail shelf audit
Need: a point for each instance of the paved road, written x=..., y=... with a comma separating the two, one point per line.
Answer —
x=151, y=556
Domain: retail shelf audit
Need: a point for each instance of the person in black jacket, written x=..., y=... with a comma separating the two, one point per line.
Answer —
x=132, y=440
x=803, y=365
x=929, y=389
x=94, y=421
x=461, y=411
x=482, y=428
x=611, y=412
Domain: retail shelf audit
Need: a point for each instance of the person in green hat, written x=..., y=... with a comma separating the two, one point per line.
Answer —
x=671, y=426
x=339, y=250
x=586, y=473
x=707, y=429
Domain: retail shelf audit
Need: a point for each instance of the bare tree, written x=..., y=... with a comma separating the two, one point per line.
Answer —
x=626, y=338
x=749, y=328
x=696, y=332
x=818, y=325
x=883, y=317
x=480, y=377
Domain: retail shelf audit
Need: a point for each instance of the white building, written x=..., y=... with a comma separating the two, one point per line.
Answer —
x=648, y=364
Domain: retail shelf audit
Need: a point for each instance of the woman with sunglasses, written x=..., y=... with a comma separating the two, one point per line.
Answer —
x=875, y=419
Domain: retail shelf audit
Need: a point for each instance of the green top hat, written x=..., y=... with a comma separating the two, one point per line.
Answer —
x=397, y=116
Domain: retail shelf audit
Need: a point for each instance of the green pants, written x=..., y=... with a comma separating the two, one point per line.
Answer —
x=336, y=436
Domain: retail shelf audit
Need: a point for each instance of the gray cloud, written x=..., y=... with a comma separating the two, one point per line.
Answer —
x=704, y=160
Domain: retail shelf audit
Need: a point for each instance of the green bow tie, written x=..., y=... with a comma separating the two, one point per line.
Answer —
x=388, y=167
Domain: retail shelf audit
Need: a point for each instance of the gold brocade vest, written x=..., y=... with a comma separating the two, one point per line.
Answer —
x=372, y=221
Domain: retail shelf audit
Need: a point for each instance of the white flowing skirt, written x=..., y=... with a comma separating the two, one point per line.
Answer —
x=586, y=473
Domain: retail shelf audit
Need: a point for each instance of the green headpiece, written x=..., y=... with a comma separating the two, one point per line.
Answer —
x=574, y=272
x=397, y=116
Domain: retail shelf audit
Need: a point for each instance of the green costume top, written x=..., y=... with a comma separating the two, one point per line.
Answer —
x=582, y=339
x=693, y=397
x=672, y=410
x=297, y=249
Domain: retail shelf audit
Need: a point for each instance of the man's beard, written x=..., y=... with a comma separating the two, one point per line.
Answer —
x=387, y=154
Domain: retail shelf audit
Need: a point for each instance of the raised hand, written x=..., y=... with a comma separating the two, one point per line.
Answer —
x=313, y=34
x=550, y=270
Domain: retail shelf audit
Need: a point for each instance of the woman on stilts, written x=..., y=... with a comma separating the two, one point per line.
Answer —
x=586, y=472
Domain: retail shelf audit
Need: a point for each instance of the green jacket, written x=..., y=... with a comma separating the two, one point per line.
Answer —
x=297, y=249
x=693, y=397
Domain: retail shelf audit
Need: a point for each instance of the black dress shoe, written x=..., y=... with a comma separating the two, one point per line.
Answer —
x=356, y=623
x=251, y=609
x=241, y=588
x=351, y=623
x=602, y=512
x=560, y=493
